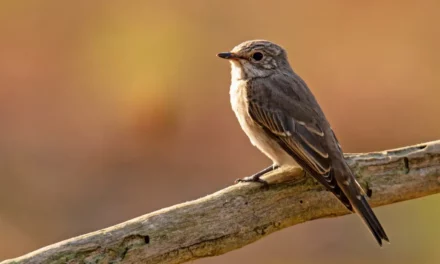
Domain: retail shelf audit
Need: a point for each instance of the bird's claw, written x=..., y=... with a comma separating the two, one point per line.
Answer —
x=252, y=179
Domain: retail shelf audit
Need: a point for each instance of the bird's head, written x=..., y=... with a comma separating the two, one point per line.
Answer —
x=256, y=59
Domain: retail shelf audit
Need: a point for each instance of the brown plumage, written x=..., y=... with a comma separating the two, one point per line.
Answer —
x=282, y=118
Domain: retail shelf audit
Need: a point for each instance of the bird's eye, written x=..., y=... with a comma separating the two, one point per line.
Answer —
x=257, y=56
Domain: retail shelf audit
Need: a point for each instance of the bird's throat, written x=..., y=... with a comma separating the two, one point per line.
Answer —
x=237, y=72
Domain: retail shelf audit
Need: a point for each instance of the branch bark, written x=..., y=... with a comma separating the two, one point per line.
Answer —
x=241, y=214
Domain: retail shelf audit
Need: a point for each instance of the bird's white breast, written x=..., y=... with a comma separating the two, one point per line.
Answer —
x=240, y=105
x=256, y=134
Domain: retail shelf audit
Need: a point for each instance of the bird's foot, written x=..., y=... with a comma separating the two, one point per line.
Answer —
x=257, y=176
x=253, y=178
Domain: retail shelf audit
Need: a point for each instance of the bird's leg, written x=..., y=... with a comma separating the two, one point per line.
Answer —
x=256, y=177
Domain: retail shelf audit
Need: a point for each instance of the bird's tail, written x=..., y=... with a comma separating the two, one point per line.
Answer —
x=361, y=206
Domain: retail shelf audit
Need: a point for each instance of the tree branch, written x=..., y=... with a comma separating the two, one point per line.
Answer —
x=241, y=214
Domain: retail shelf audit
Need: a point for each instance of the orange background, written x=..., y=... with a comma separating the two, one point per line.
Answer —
x=113, y=109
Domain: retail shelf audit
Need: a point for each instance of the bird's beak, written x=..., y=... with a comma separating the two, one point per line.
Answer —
x=228, y=55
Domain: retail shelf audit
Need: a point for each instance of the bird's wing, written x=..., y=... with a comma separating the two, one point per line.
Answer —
x=287, y=115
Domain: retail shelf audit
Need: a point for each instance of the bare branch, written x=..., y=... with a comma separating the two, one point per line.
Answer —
x=241, y=214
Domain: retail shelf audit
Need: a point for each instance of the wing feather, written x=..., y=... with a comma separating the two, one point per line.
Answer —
x=292, y=123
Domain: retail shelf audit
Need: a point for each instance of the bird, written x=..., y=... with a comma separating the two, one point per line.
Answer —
x=282, y=118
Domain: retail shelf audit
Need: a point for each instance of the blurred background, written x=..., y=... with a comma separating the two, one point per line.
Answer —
x=113, y=109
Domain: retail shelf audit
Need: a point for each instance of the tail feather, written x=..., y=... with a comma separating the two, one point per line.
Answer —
x=364, y=210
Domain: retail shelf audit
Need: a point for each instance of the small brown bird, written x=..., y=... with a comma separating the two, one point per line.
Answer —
x=282, y=118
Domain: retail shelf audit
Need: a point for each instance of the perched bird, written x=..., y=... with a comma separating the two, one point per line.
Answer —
x=282, y=118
